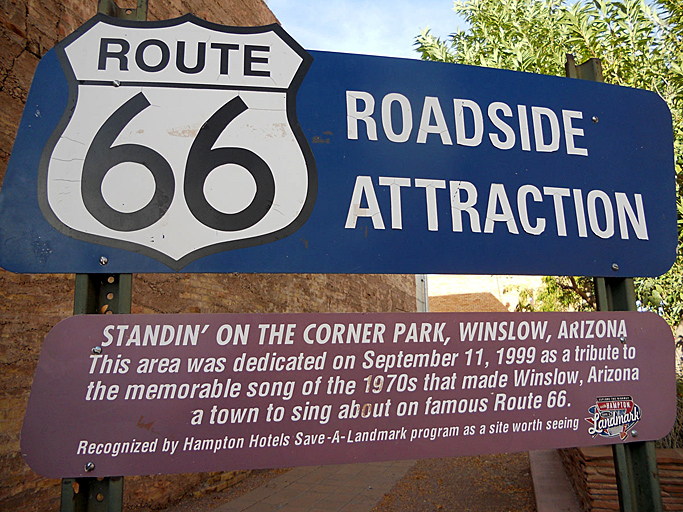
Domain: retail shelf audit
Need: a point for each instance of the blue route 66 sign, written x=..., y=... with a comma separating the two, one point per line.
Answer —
x=182, y=145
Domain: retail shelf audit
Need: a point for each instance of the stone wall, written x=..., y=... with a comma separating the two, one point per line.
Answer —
x=591, y=471
x=32, y=304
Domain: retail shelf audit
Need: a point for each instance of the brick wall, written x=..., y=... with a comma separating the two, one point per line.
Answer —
x=591, y=471
x=31, y=304
x=466, y=303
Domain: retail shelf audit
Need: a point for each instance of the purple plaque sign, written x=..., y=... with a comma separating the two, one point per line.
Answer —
x=144, y=394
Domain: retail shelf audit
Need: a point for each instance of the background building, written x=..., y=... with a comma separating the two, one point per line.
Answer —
x=477, y=293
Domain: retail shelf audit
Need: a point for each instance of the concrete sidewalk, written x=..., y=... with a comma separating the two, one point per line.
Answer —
x=343, y=488
x=552, y=487
x=359, y=487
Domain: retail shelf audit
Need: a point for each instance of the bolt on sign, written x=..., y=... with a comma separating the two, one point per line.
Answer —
x=182, y=145
x=193, y=393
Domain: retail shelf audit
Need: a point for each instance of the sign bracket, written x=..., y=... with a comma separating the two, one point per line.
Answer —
x=110, y=8
x=635, y=463
x=102, y=294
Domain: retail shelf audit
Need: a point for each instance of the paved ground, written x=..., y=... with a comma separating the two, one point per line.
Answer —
x=343, y=488
x=518, y=482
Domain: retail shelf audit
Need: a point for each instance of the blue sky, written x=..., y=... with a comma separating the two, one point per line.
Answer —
x=374, y=27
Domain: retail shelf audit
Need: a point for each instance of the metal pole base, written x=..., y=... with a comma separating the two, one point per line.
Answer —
x=92, y=494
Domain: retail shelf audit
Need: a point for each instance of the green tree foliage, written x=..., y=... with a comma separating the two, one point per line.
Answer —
x=640, y=45
x=559, y=293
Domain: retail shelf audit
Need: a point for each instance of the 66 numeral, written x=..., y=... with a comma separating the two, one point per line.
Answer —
x=201, y=160
x=557, y=399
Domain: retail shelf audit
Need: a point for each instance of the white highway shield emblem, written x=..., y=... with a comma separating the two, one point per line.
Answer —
x=181, y=139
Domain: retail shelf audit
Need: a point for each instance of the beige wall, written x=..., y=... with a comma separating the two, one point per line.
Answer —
x=31, y=304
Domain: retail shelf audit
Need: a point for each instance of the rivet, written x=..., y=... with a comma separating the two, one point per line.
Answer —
x=104, y=260
x=99, y=497
x=622, y=339
x=615, y=266
x=634, y=433
x=594, y=119
x=117, y=83
x=89, y=466
x=97, y=350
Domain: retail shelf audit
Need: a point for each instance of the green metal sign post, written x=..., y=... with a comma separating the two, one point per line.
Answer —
x=97, y=294
x=635, y=463
x=101, y=294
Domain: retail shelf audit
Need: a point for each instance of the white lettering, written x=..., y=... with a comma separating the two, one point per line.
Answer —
x=460, y=135
x=395, y=185
x=509, y=133
x=353, y=115
x=498, y=196
x=522, y=194
x=432, y=105
x=458, y=207
x=406, y=117
x=430, y=187
x=362, y=187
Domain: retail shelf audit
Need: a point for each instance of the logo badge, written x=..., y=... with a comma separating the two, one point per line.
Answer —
x=613, y=416
x=181, y=139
